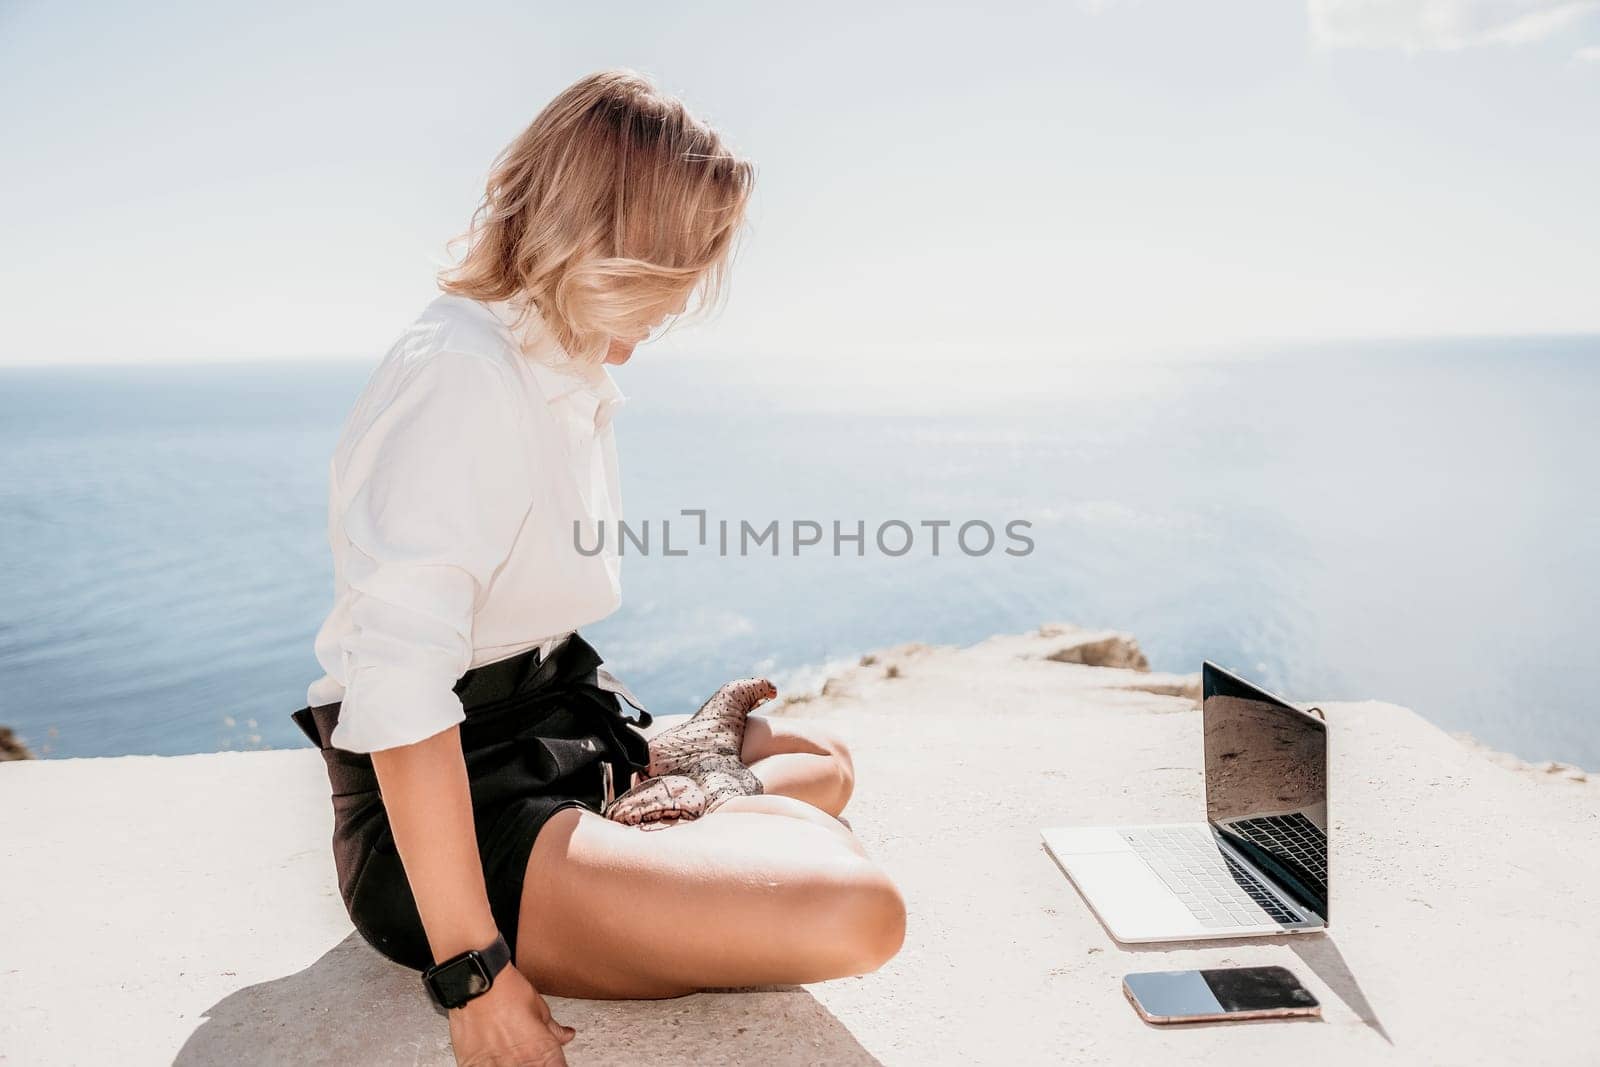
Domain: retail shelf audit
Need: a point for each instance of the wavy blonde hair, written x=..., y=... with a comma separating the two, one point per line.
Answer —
x=608, y=213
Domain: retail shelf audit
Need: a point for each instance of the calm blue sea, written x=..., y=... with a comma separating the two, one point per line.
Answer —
x=1415, y=522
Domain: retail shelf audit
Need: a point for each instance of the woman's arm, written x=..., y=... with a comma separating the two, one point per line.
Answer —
x=433, y=492
x=425, y=794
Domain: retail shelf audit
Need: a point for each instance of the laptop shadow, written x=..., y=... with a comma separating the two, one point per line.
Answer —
x=355, y=1008
x=1316, y=951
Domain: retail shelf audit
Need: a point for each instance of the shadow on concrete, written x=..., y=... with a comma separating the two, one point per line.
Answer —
x=354, y=1008
x=1316, y=951
x=1319, y=952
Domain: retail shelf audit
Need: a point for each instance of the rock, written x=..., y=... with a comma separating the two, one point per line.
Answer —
x=1172, y=685
x=11, y=746
x=1102, y=650
x=1542, y=768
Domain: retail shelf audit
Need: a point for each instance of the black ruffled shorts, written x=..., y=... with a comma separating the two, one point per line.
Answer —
x=538, y=737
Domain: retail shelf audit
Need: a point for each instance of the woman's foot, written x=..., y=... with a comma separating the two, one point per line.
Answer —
x=720, y=778
x=707, y=748
x=718, y=727
x=657, y=802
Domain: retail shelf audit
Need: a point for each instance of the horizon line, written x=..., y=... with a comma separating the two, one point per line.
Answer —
x=1211, y=349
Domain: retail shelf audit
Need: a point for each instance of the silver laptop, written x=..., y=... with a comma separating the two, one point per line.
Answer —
x=1257, y=865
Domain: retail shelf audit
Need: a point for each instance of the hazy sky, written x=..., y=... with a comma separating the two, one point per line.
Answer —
x=213, y=181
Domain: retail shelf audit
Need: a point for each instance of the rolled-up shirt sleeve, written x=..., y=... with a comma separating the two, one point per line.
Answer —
x=442, y=489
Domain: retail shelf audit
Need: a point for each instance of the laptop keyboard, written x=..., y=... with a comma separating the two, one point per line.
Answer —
x=1215, y=887
x=1292, y=835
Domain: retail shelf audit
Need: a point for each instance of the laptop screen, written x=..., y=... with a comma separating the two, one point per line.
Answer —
x=1267, y=784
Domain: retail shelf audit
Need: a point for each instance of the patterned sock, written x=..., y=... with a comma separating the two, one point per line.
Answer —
x=659, y=800
x=718, y=727
x=707, y=747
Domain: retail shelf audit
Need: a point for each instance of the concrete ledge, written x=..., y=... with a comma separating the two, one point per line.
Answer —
x=183, y=910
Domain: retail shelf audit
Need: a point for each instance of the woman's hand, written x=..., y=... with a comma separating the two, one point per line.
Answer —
x=509, y=1026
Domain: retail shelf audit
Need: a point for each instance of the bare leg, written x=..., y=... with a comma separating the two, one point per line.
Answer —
x=798, y=759
x=790, y=808
x=757, y=896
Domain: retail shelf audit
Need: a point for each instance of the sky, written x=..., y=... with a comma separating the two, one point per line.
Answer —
x=225, y=181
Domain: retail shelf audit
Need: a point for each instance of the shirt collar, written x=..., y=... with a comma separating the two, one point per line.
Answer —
x=559, y=376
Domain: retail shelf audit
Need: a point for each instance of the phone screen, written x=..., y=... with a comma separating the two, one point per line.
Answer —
x=1171, y=996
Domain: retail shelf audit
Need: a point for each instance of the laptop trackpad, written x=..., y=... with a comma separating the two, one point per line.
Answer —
x=1130, y=899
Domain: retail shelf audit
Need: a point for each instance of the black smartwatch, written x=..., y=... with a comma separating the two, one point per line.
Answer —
x=461, y=978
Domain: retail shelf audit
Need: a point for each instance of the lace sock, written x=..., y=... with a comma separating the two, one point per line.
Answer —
x=659, y=801
x=706, y=748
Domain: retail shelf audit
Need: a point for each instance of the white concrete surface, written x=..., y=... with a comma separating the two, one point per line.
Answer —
x=184, y=910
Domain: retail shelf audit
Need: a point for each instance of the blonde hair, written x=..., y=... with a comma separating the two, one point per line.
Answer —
x=607, y=214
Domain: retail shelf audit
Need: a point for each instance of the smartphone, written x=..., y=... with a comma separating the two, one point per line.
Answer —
x=1219, y=995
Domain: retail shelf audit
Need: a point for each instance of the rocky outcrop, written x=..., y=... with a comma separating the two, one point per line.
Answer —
x=11, y=746
x=1105, y=659
x=1094, y=648
x=1550, y=770
x=1127, y=667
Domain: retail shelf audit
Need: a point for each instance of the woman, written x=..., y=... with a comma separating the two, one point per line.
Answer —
x=474, y=742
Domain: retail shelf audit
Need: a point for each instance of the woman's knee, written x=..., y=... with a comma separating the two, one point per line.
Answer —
x=838, y=770
x=836, y=914
x=844, y=767
x=852, y=922
x=821, y=777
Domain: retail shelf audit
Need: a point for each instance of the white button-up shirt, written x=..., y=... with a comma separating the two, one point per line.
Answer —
x=453, y=494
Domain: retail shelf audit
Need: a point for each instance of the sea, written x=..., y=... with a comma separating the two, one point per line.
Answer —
x=1411, y=521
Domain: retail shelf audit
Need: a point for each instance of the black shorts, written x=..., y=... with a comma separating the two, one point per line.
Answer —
x=538, y=737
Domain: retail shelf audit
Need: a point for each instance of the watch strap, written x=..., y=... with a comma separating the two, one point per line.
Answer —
x=496, y=956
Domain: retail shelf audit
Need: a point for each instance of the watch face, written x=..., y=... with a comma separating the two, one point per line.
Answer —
x=460, y=980
x=477, y=981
